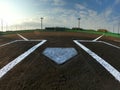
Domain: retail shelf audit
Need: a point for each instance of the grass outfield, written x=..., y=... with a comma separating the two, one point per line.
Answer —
x=96, y=32
x=84, y=31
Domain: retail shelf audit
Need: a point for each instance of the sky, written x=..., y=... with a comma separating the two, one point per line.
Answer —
x=26, y=14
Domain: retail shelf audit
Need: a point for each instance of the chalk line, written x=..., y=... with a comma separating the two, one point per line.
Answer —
x=115, y=73
x=98, y=38
x=22, y=37
x=100, y=42
x=10, y=65
x=19, y=41
x=8, y=43
x=110, y=44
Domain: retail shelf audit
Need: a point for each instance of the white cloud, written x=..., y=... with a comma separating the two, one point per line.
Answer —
x=58, y=2
x=90, y=19
x=99, y=2
x=80, y=6
x=117, y=2
x=45, y=0
x=108, y=12
x=92, y=13
x=59, y=16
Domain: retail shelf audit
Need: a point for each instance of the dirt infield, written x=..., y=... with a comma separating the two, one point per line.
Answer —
x=37, y=72
x=111, y=54
x=10, y=52
x=7, y=38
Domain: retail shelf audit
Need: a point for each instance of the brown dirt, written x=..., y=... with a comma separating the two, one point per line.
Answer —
x=82, y=72
x=112, y=40
x=7, y=38
x=12, y=51
x=108, y=53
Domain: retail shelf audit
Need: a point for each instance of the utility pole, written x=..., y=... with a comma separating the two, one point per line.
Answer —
x=41, y=23
x=6, y=27
x=79, y=23
x=118, y=27
x=113, y=28
x=1, y=24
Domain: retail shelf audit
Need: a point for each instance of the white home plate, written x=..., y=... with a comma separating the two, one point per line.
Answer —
x=60, y=55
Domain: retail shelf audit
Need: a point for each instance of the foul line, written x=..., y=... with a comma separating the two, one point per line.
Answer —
x=22, y=37
x=10, y=65
x=98, y=38
x=106, y=65
x=8, y=43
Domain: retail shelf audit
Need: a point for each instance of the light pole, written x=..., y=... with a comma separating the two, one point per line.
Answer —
x=119, y=27
x=1, y=24
x=113, y=28
x=41, y=22
x=79, y=23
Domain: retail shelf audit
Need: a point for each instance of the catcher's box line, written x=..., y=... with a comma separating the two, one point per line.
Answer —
x=25, y=39
x=100, y=42
x=115, y=73
x=8, y=43
x=19, y=41
x=10, y=65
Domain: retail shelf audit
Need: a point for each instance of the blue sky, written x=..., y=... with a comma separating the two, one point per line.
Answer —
x=26, y=14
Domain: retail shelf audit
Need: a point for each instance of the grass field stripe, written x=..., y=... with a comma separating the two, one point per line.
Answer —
x=115, y=73
x=22, y=37
x=8, y=43
x=98, y=38
x=10, y=65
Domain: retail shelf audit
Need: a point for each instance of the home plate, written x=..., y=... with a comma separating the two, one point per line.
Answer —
x=60, y=55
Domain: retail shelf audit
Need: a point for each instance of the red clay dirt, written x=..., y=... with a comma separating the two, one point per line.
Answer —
x=82, y=72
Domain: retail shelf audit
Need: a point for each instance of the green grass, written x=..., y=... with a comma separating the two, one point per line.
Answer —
x=19, y=31
x=67, y=30
x=96, y=32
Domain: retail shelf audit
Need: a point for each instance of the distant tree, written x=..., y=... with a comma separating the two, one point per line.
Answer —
x=102, y=30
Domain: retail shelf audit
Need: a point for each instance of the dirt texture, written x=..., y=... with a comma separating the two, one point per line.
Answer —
x=8, y=38
x=82, y=72
x=12, y=51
